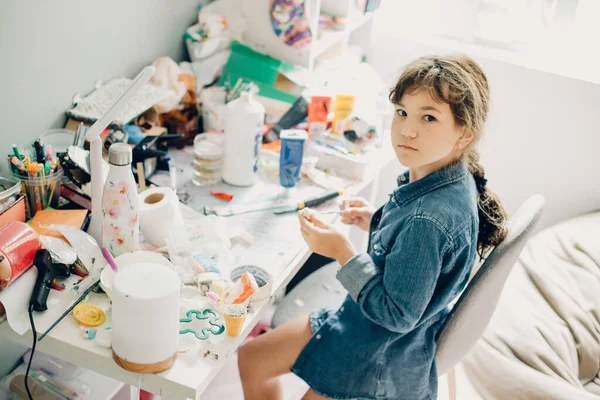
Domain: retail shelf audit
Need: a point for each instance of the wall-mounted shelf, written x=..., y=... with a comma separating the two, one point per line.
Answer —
x=330, y=38
x=260, y=36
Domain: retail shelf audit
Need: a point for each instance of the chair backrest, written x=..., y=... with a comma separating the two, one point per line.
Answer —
x=474, y=309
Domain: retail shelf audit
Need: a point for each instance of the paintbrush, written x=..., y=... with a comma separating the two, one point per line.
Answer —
x=110, y=259
x=83, y=295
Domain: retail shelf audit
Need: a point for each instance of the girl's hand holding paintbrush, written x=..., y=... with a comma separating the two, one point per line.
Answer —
x=357, y=211
x=323, y=239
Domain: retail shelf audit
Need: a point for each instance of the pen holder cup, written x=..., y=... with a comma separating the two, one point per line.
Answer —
x=41, y=192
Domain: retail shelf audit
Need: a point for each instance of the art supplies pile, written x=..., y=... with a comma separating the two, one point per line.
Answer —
x=41, y=173
x=199, y=246
x=207, y=37
x=240, y=86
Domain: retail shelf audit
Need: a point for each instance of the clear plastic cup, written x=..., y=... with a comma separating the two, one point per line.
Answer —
x=208, y=158
x=42, y=192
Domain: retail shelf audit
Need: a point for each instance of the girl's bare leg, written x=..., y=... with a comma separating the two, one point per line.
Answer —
x=264, y=359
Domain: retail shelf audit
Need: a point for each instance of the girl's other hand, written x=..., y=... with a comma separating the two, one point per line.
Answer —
x=357, y=211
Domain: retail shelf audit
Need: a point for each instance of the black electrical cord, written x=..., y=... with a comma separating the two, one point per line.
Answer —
x=32, y=351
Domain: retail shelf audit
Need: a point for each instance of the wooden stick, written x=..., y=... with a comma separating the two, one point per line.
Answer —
x=141, y=177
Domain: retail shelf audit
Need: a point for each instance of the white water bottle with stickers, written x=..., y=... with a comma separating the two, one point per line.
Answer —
x=243, y=138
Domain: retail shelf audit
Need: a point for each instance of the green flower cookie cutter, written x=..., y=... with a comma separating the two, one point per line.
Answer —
x=213, y=320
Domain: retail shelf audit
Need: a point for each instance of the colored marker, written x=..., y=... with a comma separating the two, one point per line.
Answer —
x=39, y=151
x=17, y=163
x=48, y=150
x=16, y=152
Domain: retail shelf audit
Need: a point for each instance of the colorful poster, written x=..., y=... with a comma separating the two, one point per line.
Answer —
x=290, y=23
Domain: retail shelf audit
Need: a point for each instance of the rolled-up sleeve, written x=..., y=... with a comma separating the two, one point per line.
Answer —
x=397, y=295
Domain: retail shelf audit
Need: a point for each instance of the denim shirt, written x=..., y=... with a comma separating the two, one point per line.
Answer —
x=380, y=344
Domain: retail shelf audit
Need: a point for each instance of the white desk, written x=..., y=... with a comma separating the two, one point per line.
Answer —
x=277, y=242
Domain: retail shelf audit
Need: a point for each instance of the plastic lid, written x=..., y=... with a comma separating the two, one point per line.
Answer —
x=208, y=150
x=120, y=154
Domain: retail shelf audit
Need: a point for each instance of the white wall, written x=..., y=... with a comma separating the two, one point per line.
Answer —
x=50, y=50
x=543, y=132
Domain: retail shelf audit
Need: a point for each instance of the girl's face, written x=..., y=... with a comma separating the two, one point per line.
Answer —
x=425, y=135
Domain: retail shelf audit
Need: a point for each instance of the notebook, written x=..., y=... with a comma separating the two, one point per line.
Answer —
x=76, y=218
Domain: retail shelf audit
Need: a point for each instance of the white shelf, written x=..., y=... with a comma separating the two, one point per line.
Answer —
x=330, y=38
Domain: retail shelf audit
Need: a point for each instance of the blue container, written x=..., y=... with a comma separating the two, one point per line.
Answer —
x=290, y=158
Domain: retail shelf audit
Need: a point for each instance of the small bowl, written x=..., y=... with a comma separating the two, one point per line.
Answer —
x=122, y=261
x=263, y=279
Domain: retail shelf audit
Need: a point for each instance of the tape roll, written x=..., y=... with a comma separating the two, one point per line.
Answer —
x=263, y=278
x=159, y=211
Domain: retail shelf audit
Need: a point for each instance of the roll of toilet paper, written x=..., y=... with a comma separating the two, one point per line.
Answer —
x=159, y=211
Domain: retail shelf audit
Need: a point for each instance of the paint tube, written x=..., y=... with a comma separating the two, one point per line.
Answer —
x=290, y=157
x=342, y=109
x=293, y=116
x=317, y=114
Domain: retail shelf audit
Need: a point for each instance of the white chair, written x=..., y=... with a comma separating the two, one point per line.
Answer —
x=473, y=311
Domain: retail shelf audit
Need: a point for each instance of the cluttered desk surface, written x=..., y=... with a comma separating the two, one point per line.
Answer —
x=111, y=181
x=258, y=238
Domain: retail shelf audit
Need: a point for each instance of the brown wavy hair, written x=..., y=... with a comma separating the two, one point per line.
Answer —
x=461, y=83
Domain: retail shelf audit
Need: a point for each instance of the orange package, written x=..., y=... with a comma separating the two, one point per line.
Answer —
x=318, y=110
x=241, y=290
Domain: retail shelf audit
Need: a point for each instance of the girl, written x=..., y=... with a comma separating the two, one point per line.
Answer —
x=380, y=343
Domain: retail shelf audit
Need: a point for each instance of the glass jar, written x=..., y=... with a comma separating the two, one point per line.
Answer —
x=208, y=158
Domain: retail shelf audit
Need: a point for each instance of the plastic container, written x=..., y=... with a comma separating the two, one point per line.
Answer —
x=9, y=192
x=213, y=108
x=9, y=187
x=52, y=365
x=59, y=139
x=41, y=191
x=208, y=158
x=243, y=137
x=18, y=245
